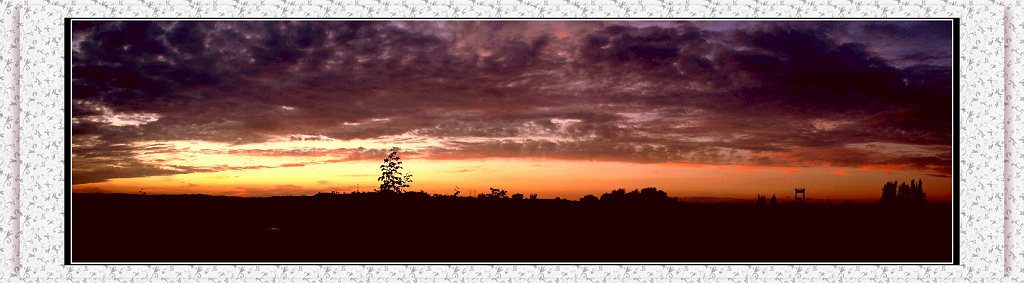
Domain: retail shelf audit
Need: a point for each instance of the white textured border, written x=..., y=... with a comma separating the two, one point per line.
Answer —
x=1014, y=123
x=982, y=141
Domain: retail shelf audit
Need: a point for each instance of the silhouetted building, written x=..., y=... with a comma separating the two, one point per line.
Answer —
x=801, y=196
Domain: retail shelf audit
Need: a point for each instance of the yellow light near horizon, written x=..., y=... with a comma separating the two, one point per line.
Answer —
x=546, y=177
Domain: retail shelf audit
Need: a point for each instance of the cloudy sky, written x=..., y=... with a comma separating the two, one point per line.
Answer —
x=557, y=108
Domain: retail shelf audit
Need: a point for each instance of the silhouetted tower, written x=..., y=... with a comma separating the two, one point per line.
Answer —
x=800, y=196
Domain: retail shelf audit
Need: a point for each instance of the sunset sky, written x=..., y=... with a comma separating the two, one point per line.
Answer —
x=727, y=109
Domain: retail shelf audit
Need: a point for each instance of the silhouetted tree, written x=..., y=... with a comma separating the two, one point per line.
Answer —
x=533, y=196
x=774, y=200
x=589, y=199
x=392, y=180
x=761, y=200
x=517, y=196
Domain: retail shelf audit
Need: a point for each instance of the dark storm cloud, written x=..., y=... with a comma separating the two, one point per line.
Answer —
x=701, y=92
x=910, y=43
x=815, y=74
x=666, y=53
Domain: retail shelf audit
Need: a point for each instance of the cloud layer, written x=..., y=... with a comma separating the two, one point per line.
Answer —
x=857, y=94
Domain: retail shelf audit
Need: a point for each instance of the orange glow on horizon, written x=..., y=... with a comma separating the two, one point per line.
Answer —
x=548, y=178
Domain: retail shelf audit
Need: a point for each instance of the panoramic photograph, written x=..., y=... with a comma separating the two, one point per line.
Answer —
x=512, y=141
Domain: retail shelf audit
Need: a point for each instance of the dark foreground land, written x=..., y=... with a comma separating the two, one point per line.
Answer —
x=375, y=228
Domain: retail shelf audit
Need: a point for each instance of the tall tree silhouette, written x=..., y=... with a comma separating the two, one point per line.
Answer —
x=889, y=192
x=392, y=179
x=917, y=195
x=903, y=193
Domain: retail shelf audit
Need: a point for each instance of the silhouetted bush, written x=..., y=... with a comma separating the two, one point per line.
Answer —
x=614, y=196
x=419, y=194
x=496, y=193
x=651, y=194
